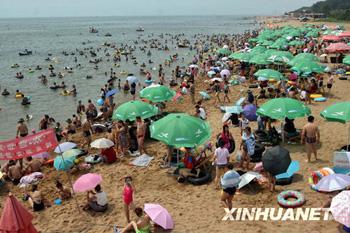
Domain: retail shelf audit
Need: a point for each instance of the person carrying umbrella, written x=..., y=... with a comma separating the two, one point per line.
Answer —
x=229, y=183
x=310, y=135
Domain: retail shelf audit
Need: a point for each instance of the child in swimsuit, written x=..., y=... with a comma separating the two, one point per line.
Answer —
x=128, y=192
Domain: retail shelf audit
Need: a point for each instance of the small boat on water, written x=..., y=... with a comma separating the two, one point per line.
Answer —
x=108, y=34
x=140, y=29
x=93, y=30
x=182, y=45
x=26, y=52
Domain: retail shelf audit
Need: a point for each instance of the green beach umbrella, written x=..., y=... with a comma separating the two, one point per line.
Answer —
x=72, y=153
x=278, y=59
x=224, y=51
x=308, y=67
x=280, y=108
x=269, y=74
x=339, y=112
x=296, y=43
x=260, y=59
x=157, y=93
x=303, y=58
x=346, y=60
x=245, y=57
x=258, y=50
x=132, y=109
x=181, y=130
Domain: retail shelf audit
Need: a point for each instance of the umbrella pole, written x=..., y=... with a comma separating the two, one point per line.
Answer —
x=347, y=146
x=282, y=131
x=70, y=181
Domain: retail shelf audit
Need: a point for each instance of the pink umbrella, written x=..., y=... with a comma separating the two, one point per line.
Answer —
x=344, y=34
x=338, y=48
x=159, y=215
x=340, y=208
x=87, y=182
x=331, y=38
x=226, y=73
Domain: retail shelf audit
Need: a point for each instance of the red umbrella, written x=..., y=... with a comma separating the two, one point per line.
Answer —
x=15, y=218
x=331, y=38
x=338, y=48
x=344, y=34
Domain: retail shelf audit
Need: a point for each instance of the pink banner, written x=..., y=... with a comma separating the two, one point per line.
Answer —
x=27, y=146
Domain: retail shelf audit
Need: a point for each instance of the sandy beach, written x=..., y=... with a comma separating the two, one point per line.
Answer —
x=195, y=208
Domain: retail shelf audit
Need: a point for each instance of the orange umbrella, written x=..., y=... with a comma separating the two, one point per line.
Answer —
x=15, y=218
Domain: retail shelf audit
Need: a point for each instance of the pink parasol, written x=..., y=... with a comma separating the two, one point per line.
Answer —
x=338, y=48
x=159, y=215
x=87, y=182
x=331, y=38
x=344, y=34
x=15, y=218
x=340, y=208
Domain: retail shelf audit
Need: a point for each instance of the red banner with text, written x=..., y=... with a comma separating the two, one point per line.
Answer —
x=27, y=146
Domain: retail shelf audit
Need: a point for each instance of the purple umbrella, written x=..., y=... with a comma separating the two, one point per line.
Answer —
x=249, y=112
x=333, y=182
x=225, y=72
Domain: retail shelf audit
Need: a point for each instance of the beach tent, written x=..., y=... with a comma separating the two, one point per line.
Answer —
x=15, y=218
x=132, y=109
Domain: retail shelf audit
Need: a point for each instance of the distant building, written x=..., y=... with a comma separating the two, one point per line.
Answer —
x=306, y=14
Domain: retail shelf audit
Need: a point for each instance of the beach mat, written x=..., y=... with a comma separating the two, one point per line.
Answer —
x=142, y=161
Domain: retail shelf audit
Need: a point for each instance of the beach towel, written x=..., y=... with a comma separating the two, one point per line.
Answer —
x=30, y=179
x=142, y=161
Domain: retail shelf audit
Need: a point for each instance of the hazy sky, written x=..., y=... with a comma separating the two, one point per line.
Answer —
x=57, y=8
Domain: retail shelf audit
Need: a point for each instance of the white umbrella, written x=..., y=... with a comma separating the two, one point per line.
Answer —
x=333, y=182
x=230, y=179
x=246, y=178
x=102, y=143
x=63, y=147
x=132, y=79
x=193, y=66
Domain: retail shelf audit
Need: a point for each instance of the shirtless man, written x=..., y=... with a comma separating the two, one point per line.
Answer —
x=33, y=165
x=22, y=129
x=87, y=133
x=15, y=172
x=140, y=133
x=310, y=135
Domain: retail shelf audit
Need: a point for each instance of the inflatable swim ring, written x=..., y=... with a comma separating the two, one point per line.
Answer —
x=316, y=176
x=65, y=93
x=19, y=96
x=282, y=199
x=314, y=96
x=320, y=99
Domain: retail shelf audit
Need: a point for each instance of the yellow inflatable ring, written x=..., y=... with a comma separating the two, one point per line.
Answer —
x=314, y=96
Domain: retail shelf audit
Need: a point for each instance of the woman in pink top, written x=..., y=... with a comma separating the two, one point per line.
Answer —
x=128, y=192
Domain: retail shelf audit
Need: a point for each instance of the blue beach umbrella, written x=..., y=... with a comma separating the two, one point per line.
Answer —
x=230, y=179
x=111, y=92
x=62, y=163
